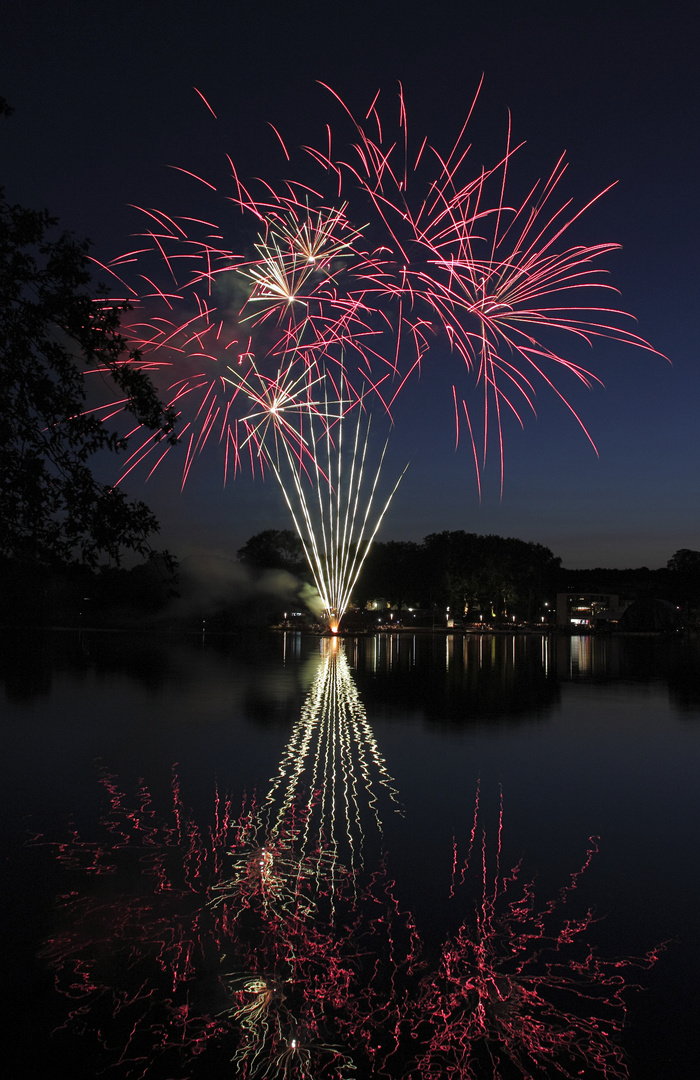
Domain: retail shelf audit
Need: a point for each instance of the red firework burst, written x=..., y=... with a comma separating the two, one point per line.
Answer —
x=367, y=270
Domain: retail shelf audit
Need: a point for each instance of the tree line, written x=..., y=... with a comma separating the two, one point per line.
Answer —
x=490, y=576
x=480, y=576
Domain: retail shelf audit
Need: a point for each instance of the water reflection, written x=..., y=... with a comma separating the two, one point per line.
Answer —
x=460, y=679
x=214, y=676
x=332, y=766
x=456, y=679
x=632, y=657
x=268, y=944
x=518, y=990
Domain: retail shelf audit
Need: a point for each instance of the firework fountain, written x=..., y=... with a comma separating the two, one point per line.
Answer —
x=326, y=480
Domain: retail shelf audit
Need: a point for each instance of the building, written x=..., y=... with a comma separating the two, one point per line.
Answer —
x=587, y=610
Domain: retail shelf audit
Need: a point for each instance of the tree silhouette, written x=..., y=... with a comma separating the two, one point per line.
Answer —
x=274, y=549
x=53, y=509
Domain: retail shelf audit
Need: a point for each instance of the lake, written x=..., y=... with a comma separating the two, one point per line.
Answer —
x=407, y=855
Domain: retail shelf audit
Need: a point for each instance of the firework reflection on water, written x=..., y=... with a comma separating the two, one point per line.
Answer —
x=270, y=942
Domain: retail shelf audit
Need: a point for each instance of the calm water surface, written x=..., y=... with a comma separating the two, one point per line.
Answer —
x=252, y=856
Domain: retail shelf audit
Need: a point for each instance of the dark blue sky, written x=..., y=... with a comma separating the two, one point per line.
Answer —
x=104, y=102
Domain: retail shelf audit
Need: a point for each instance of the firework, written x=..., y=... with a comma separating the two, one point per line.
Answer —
x=391, y=250
x=325, y=477
x=393, y=259
x=281, y=312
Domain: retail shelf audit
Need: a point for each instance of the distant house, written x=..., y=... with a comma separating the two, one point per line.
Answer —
x=578, y=609
x=379, y=603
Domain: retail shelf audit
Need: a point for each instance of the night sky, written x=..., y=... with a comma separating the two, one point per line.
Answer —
x=104, y=104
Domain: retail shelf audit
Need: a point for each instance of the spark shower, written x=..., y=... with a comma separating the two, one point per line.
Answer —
x=376, y=260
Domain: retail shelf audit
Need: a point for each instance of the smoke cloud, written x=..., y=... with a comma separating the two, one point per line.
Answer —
x=212, y=582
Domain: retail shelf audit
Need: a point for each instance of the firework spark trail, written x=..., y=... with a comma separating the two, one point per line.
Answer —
x=497, y=280
x=292, y=314
x=331, y=499
x=299, y=431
